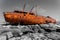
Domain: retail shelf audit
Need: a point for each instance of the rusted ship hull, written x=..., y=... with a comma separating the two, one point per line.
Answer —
x=20, y=18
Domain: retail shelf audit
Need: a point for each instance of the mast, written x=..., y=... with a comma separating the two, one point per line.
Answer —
x=35, y=9
x=31, y=9
x=24, y=6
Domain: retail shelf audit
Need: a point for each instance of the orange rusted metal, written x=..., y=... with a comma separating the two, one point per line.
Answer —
x=22, y=17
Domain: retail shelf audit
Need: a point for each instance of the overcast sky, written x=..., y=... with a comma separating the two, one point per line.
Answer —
x=44, y=7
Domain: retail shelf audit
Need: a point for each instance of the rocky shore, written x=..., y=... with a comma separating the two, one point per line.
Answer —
x=30, y=32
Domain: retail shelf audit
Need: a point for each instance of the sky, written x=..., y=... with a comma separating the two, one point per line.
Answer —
x=44, y=7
